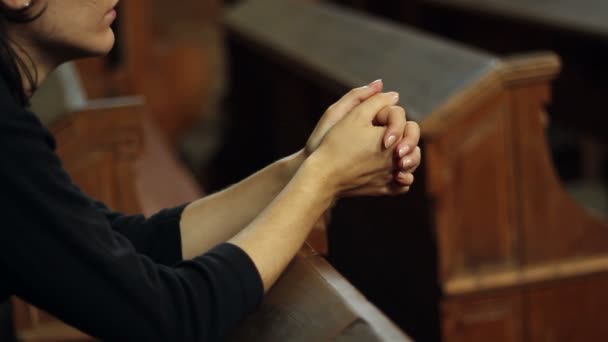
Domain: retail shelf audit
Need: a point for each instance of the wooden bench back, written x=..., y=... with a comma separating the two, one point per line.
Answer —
x=487, y=220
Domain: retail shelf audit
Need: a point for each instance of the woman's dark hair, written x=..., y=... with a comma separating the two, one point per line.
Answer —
x=12, y=66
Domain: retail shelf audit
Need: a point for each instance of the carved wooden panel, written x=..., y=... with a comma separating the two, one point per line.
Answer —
x=554, y=226
x=490, y=317
x=475, y=215
x=568, y=311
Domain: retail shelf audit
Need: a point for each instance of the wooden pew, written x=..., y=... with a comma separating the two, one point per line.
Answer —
x=488, y=246
x=576, y=30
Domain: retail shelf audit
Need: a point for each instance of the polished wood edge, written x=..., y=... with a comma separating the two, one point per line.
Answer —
x=114, y=102
x=464, y=102
x=53, y=331
x=526, y=275
x=513, y=71
x=127, y=110
x=95, y=122
x=307, y=251
x=381, y=325
x=103, y=105
x=528, y=68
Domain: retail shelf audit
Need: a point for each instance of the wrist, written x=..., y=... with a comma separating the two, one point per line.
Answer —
x=316, y=167
x=290, y=165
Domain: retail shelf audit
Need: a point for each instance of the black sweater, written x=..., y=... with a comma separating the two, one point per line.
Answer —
x=116, y=277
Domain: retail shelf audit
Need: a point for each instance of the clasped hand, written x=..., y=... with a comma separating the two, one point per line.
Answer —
x=366, y=143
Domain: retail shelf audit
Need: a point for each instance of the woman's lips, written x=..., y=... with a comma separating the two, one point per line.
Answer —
x=111, y=14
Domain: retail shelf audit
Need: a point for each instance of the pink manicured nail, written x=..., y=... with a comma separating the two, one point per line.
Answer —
x=394, y=96
x=389, y=142
x=403, y=151
x=407, y=162
x=376, y=84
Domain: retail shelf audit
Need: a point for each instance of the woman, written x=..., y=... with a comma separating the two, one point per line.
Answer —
x=187, y=273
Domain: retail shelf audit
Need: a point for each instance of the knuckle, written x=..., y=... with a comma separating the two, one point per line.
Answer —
x=414, y=125
x=400, y=112
x=407, y=179
x=397, y=116
x=413, y=134
x=394, y=112
x=355, y=92
x=398, y=109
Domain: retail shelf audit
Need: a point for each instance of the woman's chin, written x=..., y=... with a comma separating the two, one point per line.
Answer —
x=105, y=45
x=101, y=47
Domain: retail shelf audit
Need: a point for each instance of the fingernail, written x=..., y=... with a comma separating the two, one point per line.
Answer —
x=402, y=174
x=376, y=84
x=389, y=142
x=394, y=96
x=407, y=162
x=403, y=151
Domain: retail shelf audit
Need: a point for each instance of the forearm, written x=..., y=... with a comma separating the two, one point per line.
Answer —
x=276, y=235
x=218, y=217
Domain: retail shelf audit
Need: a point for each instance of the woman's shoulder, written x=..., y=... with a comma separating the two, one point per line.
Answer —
x=10, y=108
x=12, y=115
x=19, y=123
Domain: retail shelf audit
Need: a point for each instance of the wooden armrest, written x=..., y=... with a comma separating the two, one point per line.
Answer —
x=313, y=302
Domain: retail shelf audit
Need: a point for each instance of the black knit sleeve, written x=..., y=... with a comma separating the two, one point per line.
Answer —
x=157, y=237
x=59, y=252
